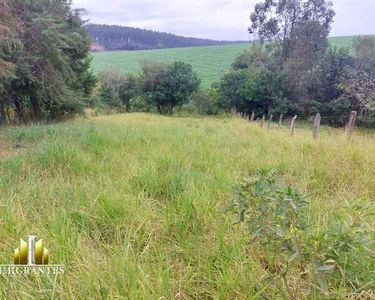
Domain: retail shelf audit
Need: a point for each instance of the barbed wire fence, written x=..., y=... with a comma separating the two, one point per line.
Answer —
x=316, y=122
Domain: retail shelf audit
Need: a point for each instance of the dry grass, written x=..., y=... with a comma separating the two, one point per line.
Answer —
x=134, y=205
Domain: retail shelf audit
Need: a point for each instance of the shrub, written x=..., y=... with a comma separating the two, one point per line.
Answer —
x=277, y=220
x=139, y=103
x=205, y=102
x=261, y=92
x=168, y=85
x=117, y=89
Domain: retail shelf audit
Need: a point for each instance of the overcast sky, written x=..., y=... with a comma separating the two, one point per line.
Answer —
x=215, y=19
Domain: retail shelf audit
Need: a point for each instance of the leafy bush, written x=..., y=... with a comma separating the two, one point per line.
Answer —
x=205, y=102
x=117, y=89
x=167, y=85
x=139, y=103
x=261, y=92
x=277, y=220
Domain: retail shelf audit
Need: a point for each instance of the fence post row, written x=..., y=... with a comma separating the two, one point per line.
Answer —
x=270, y=121
x=316, y=128
x=292, y=125
x=352, y=120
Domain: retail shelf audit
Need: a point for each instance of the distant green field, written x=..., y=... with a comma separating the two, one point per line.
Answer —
x=209, y=62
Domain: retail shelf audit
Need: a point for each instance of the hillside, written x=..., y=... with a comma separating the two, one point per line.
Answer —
x=135, y=205
x=114, y=37
x=209, y=62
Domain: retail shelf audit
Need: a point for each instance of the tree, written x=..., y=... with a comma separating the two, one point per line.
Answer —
x=168, y=85
x=261, y=92
x=256, y=58
x=117, y=89
x=297, y=30
x=52, y=66
x=205, y=102
x=334, y=66
x=233, y=90
x=8, y=42
x=359, y=84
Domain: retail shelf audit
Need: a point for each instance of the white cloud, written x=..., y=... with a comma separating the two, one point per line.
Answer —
x=216, y=19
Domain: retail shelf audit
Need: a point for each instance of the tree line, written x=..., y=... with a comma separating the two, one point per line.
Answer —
x=44, y=58
x=294, y=70
x=114, y=37
x=291, y=69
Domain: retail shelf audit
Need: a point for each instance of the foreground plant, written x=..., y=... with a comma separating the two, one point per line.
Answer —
x=299, y=257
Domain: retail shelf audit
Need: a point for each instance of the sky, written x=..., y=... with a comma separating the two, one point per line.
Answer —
x=214, y=19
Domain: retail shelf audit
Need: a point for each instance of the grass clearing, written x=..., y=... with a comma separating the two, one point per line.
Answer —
x=135, y=205
x=209, y=62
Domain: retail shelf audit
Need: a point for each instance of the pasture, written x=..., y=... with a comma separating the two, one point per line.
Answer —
x=135, y=205
x=209, y=62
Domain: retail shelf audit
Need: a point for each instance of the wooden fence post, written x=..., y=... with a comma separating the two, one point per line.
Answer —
x=252, y=117
x=353, y=118
x=316, y=128
x=292, y=125
x=280, y=121
x=270, y=121
x=262, y=122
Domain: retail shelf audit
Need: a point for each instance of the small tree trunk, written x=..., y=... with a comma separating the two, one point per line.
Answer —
x=3, y=117
x=19, y=108
x=36, y=106
x=8, y=114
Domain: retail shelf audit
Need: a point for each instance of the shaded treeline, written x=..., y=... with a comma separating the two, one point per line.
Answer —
x=45, y=64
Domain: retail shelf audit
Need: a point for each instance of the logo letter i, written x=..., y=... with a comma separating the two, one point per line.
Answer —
x=31, y=250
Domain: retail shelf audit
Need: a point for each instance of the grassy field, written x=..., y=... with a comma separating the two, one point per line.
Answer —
x=209, y=62
x=135, y=205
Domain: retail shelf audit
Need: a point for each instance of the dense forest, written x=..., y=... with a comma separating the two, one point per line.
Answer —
x=113, y=37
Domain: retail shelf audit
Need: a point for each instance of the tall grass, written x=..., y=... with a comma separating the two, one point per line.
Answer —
x=135, y=205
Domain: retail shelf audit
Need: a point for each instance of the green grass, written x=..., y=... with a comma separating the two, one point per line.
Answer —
x=209, y=62
x=135, y=205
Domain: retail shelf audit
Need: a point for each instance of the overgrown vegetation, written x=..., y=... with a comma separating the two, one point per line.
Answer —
x=293, y=44
x=45, y=64
x=161, y=86
x=300, y=259
x=134, y=206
